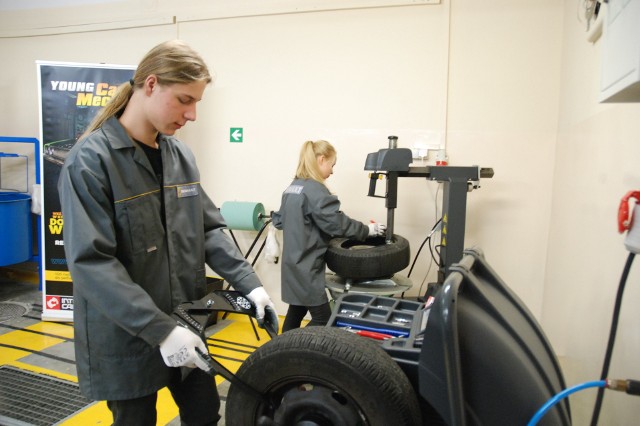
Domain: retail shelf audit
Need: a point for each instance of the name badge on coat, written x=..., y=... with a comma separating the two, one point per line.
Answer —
x=294, y=189
x=187, y=190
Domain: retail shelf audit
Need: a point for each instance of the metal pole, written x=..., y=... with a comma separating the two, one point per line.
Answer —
x=391, y=203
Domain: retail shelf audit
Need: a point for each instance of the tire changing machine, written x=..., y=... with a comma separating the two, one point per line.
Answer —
x=395, y=163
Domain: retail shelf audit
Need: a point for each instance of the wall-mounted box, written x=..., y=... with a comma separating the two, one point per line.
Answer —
x=620, y=79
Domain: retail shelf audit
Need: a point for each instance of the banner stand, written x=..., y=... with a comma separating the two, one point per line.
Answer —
x=70, y=96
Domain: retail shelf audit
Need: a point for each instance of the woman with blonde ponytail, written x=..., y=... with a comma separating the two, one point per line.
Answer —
x=310, y=217
x=138, y=230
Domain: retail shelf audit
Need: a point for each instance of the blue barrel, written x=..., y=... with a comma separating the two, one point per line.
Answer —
x=16, y=244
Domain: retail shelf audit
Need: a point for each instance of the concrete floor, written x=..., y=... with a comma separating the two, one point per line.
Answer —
x=28, y=343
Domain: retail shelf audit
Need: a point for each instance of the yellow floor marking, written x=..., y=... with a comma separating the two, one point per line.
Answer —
x=8, y=355
x=166, y=407
x=239, y=341
x=240, y=331
x=59, y=329
x=95, y=414
x=45, y=371
x=30, y=341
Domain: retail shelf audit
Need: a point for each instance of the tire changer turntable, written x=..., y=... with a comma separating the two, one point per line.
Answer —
x=370, y=267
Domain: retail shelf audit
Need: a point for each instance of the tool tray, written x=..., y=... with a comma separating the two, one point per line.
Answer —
x=403, y=320
x=385, y=315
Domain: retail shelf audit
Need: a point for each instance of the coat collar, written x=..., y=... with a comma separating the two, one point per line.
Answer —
x=119, y=139
x=116, y=134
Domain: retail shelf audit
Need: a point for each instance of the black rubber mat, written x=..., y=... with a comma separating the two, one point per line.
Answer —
x=28, y=398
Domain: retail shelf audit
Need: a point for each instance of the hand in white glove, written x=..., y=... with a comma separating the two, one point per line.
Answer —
x=178, y=349
x=265, y=309
x=376, y=229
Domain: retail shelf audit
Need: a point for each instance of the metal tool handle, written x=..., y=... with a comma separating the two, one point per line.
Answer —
x=216, y=368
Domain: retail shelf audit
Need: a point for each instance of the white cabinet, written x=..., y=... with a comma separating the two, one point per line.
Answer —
x=620, y=79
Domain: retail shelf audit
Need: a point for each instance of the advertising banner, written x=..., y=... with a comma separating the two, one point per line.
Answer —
x=70, y=96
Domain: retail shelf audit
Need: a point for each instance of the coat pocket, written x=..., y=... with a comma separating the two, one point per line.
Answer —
x=139, y=225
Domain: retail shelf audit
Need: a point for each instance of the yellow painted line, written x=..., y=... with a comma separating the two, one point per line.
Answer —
x=238, y=336
x=166, y=407
x=59, y=329
x=99, y=414
x=229, y=365
x=29, y=341
x=42, y=370
x=228, y=350
x=239, y=330
x=8, y=355
x=94, y=414
x=238, y=340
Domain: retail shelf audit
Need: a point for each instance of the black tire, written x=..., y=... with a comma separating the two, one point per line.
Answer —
x=369, y=259
x=322, y=376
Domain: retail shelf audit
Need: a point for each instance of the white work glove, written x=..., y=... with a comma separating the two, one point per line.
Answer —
x=376, y=229
x=265, y=309
x=272, y=247
x=178, y=349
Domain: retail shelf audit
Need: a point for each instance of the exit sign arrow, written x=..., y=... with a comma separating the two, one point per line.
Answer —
x=235, y=134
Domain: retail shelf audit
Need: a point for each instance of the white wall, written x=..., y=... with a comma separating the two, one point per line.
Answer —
x=508, y=85
x=340, y=76
x=503, y=103
x=597, y=157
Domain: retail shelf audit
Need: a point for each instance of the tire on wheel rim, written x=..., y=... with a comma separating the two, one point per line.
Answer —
x=369, y=259
x=323, y=376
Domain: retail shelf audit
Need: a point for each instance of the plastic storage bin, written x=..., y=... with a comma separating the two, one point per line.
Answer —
x=16, y=243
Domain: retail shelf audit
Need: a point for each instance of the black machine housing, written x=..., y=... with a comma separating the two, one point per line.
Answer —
x=473, y=352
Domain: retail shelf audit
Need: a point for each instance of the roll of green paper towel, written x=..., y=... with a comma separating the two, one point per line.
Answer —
x=243, y=215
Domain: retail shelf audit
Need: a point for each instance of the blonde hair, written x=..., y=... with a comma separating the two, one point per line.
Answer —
x=172, y=62
x=308, y=164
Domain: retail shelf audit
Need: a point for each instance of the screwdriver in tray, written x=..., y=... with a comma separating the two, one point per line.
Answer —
x=366, y=333
x=387, y=332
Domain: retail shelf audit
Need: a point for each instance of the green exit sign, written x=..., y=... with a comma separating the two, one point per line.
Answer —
x=236, y=134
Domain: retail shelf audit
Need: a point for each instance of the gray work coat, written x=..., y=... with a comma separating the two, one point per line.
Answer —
x=310, y=217
x=128, y=270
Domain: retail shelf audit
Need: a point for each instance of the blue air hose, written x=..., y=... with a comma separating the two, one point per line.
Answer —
x=558, y=397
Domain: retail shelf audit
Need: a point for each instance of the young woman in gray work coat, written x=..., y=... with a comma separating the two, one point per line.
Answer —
x=138, y=229
x=310, y=217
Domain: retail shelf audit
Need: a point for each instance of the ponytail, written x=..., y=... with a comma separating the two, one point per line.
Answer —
x=308, y=164
x=115, y=106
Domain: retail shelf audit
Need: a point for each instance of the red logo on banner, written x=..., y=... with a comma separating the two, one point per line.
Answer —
x=53, y=302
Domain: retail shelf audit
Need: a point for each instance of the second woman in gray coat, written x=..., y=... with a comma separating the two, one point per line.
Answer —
x=310, y=217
